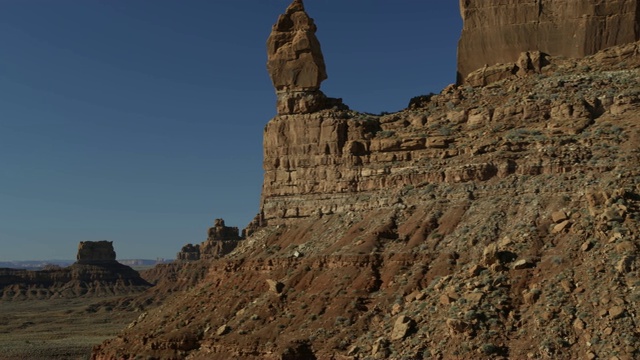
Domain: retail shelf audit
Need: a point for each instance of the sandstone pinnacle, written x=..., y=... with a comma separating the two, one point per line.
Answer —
x=295, y=60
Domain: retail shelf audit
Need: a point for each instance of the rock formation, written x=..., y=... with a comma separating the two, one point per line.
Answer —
x=295, y=63
x=295, y=60
x=221, y=240
x=96, y=273
x=485, y=222
x=480, y=216
x=498, y=31
x=189, y=252
x=91, y=252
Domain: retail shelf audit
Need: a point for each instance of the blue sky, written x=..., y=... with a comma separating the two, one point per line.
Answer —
x=140, y=121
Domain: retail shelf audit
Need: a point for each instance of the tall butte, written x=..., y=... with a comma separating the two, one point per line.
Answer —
x=295, y=62
x=498, y=31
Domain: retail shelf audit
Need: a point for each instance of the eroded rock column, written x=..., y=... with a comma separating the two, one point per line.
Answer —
x=295, y=62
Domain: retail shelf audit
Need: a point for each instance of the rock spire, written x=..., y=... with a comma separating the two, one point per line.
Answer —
x=295, y=63
x=295, y=60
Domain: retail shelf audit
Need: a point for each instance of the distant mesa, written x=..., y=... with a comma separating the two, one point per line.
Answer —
x=96, y=273
x=499, y=31
x=91, y=252
x=296, y=64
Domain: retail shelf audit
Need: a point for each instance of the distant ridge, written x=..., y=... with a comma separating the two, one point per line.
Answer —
x=41, y=264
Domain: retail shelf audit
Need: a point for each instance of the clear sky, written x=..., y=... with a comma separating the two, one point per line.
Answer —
x=140, y=121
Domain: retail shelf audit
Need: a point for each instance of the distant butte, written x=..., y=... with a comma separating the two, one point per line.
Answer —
x=96, y=273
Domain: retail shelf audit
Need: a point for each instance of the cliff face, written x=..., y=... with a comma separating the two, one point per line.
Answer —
x=497, y=31
x=484, y=222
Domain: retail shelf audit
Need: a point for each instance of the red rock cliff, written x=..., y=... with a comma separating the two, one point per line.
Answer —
x=497, y=31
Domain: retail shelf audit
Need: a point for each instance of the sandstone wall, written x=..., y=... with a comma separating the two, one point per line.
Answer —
x=497, y=31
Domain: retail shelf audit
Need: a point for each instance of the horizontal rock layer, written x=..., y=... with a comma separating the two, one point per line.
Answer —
x=73, y=281
x=341, y=161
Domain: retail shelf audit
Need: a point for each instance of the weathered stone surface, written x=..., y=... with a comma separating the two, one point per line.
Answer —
x=559, y=216
x=275, y=286
x=616, y=312
x=379, y=216
x=558, y=228
x=95, y=251
x=220, y=231
x=295, y=60
x=498, y=31
x=221, y=240
x=223, y=330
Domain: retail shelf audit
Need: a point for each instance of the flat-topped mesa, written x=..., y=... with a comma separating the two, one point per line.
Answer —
x=295, y=63
x=499, y=31
x=91, y=252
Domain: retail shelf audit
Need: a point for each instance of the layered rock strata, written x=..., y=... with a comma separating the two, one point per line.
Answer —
x=96, y=273
x=498, y=31
x=340, y=161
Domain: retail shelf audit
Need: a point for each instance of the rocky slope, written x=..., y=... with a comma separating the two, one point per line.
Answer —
x=96, y=273
x=497, y=31
x=496, y=221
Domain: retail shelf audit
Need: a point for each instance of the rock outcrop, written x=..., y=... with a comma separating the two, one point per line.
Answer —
x=296, y=64
x=295, y=61
x=189, y=252
x=498, y=31
x=221, y=240
x=96, y=273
